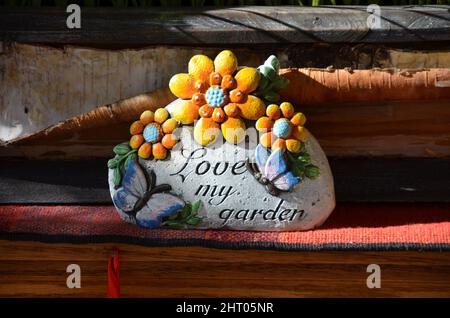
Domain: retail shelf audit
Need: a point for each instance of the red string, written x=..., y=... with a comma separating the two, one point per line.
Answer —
x=114, y=276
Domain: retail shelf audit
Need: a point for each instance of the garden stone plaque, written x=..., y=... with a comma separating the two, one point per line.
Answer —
x=224, y=155
x=231, y=198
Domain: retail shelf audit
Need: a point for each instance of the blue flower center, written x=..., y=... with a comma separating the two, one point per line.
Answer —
x=152, y=133
x=215, y=97
x=282, y=128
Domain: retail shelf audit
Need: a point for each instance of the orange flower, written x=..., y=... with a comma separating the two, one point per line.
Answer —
x=282, y=128
x=153, y=134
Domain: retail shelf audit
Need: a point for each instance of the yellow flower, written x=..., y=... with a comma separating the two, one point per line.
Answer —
x=153, y=134
x=282, y=128
x=220, y=93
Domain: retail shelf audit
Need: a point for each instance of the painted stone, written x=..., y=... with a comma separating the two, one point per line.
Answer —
x=226, y=192
x=214, y=172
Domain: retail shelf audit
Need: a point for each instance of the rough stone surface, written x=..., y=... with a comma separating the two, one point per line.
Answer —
x=232, y=198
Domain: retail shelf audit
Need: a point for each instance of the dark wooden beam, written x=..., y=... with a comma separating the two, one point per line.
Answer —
x=231, y=26
x=33, y=269
x=356, y=180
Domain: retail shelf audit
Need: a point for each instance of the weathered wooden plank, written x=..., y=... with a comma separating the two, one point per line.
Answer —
x=227, y=26
x=403, y=129
x=42, y=85
x=408, y=129
x=356, y=180
x=30, y=269
x=330, y=86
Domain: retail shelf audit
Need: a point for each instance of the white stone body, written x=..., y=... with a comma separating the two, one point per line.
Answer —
x=232, y=198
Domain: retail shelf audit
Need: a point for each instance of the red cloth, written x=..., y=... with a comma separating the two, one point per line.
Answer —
x=350, y=225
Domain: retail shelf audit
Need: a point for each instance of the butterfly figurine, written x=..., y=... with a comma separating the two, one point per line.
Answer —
x=271, y=170
x=142, y=200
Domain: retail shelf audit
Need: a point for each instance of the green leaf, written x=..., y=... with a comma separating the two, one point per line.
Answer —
x=298, y=170
x=185, y=212
x=312, y=171
x=263, y=82
x=174, y=224
x=122, y=149
x=194, y=220
x=272, y=97
x=273, y=62
x=267, y=71
x=117, y=177
x=174, y=215
x=305, y=157
x=302, y=147
x=195, y=207
x=280, y=83
x=112, y=163
x=185, y=216
x=290, y=158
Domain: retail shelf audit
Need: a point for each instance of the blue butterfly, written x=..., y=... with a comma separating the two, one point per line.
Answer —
x=271, y=170
x=144, y=201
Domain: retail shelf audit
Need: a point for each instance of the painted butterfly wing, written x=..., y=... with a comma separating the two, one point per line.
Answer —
x=286, y=181
x=124, y=201
x=134, y=185
x=261, y=156
x=134, y=179
x=159, y=206
x=275, y=165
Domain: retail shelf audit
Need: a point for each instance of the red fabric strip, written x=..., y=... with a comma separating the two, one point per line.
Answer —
x=349, y=223
x=114, y=276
